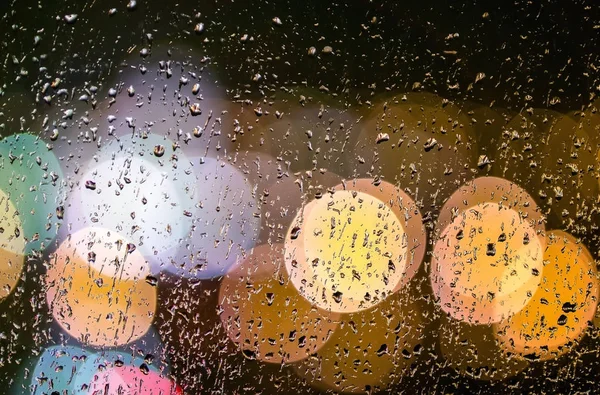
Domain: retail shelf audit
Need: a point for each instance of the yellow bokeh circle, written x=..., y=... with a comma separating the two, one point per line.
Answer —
x=345, y=251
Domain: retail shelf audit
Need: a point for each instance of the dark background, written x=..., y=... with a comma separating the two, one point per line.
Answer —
x=543, y=49
x=530, y=51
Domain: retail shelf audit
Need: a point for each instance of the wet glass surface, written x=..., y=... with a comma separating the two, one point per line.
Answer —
x=274, y=197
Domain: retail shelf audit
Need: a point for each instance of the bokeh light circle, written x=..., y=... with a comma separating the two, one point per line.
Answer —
x=122, y=372
x=517, y=153
x=345, y=251
x=131, y=191
x=32, y=176
x=497, y=190
x=307, y=129
x=372, y=349
x=488, y=253
x=484, y=267
x=12, y=246
x=97, y=288
x=558, y=314
x=407, y=212
x=56, y=369
x=474, y=351
x=132, y=380
x=281, y=193
x=419, y=141
x=568, y=182
x=225, y=220
x=264, y=314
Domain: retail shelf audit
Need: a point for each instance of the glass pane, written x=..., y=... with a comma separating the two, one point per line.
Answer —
x=229, y=197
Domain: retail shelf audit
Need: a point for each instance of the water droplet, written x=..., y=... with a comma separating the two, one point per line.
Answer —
x=382, y=137
x=91, y=185
x=562, y=320
x=295, y=232
x=337, y=296
x=430, y=144
x=144, y=369
x=195, y=109
x=152, y=280
x=483, y=161
x=159, y=150
x=70, y=18
x=270, y=298
x=130, y=248
x=148, y=359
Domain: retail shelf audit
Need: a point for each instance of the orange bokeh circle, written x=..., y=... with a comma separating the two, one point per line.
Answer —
x=265, y=316
x=97, y=288
x=488, y=252
x=557, y=316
